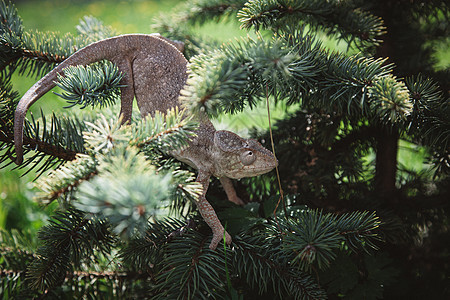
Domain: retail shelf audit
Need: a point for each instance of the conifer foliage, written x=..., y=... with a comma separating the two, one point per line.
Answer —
x=344, y=218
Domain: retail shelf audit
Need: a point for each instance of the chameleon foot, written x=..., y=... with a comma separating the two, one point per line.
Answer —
x=217, y=237
x=237, y=201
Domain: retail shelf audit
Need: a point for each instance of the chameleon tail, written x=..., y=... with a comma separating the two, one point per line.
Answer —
x=104, y=49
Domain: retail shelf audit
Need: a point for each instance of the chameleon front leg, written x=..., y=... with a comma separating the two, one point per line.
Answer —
x=227, y=185
x=209, y=215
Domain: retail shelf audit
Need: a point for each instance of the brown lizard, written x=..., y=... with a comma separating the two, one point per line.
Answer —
x=154, y=72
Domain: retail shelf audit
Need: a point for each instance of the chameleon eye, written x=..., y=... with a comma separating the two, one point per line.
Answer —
x=248, y=157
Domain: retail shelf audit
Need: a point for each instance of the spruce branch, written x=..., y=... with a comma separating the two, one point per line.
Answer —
x=114, y=159
x=192, y=270
x=165, y=132
x=10, y=22
x=212, y=83
x=359, y=229
x=127, y=188
x=226, y=80
x=36, y=53
x=39, y=52
x=49, y=143
x=127, y=191
x=313, y=237
x=93, y=30
x=61, y=142
x=162, y=132
x=347, y=21
x=16, y=249
x=429, y=122
x=16, y=253
x=347, y=79
x=390, y=99
x=105, y=134
x=186, y=193
x=147, y=252
x=68, y=239
x=173, y=27
x=62, y=182
x=52, y=143
x=97, y=84
x=8, y=102
x=13, y=285
x=200, y=11
x=11, y=31
x=157, y=136
x=259, y=262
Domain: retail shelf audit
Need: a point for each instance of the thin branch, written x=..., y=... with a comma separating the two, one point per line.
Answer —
x=45, y=148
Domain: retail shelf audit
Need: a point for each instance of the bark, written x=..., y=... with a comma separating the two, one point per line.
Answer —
x=386, y=163
x=387, y=138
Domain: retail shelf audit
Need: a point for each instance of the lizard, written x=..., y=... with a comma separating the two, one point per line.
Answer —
x=154, y=73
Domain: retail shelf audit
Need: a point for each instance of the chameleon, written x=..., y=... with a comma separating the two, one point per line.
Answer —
x=154, y=72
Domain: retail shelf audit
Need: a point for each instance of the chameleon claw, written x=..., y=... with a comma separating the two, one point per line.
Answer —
x=217, y=237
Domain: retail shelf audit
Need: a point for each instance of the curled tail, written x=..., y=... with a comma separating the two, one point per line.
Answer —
x=110, y=49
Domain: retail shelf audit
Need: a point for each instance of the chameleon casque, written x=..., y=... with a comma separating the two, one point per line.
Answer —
x=154, y=72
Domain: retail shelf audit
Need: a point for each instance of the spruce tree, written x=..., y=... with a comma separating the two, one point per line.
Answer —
x=341, y=217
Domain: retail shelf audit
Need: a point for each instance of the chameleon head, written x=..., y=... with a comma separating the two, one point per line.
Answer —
x=236, y=157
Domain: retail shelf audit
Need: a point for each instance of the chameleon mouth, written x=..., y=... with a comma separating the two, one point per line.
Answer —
x=247, y=171
x=263, y=171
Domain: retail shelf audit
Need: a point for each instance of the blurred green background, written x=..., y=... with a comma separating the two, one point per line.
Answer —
x=17, y=209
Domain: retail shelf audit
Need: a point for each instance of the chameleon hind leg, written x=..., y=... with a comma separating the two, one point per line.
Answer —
x=127, y=91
